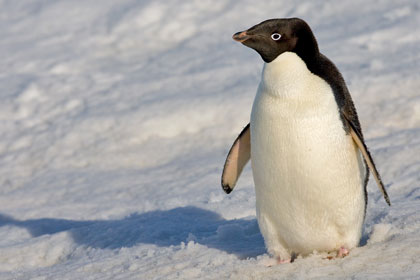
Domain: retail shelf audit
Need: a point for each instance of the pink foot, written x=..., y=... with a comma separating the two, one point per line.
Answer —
x=273, y=261
x=280, y=261
x=342, y=252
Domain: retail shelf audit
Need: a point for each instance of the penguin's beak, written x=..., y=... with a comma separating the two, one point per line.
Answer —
x=240, y=36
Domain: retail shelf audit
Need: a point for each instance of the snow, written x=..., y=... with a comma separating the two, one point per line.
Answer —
x=116, y=117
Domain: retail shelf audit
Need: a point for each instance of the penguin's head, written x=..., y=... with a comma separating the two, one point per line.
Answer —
x=273, y=37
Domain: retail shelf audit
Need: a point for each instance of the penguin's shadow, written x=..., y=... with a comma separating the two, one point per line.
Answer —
x=162, y=228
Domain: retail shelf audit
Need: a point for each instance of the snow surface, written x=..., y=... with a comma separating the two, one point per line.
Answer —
x=116, y=117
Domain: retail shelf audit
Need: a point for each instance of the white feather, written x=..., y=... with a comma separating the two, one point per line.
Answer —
x=308, y=173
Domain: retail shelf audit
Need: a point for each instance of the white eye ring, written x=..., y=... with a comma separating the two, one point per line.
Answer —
x=275, y=36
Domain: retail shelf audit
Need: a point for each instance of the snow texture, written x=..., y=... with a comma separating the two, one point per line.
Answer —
x=116, y=117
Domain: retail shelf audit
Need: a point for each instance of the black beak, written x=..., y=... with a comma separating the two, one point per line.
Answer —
x=240, y=36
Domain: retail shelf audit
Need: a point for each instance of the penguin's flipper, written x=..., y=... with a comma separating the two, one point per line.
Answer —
x=238, y=156
x=368, y=158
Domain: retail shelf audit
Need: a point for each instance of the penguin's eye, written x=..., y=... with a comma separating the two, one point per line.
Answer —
x=275, y=36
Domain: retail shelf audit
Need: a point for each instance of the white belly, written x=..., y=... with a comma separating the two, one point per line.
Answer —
x=308, y=173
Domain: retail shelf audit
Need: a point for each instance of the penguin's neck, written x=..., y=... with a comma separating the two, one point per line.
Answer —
x=286, y=76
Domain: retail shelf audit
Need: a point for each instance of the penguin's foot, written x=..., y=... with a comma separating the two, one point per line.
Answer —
x=280, y=261
x=342, y=252
x=268, y=262
x=274, y=261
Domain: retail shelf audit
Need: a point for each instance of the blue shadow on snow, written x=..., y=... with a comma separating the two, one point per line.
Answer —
x=162, y=228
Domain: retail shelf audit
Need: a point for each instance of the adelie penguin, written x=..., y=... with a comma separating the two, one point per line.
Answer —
x=309, y=160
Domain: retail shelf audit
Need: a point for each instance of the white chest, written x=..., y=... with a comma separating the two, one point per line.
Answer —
x=308, y=173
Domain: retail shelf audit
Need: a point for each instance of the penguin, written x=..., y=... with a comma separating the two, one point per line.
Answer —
x=309, y=161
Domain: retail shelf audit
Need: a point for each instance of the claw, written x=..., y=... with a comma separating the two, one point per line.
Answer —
x=342, y=252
